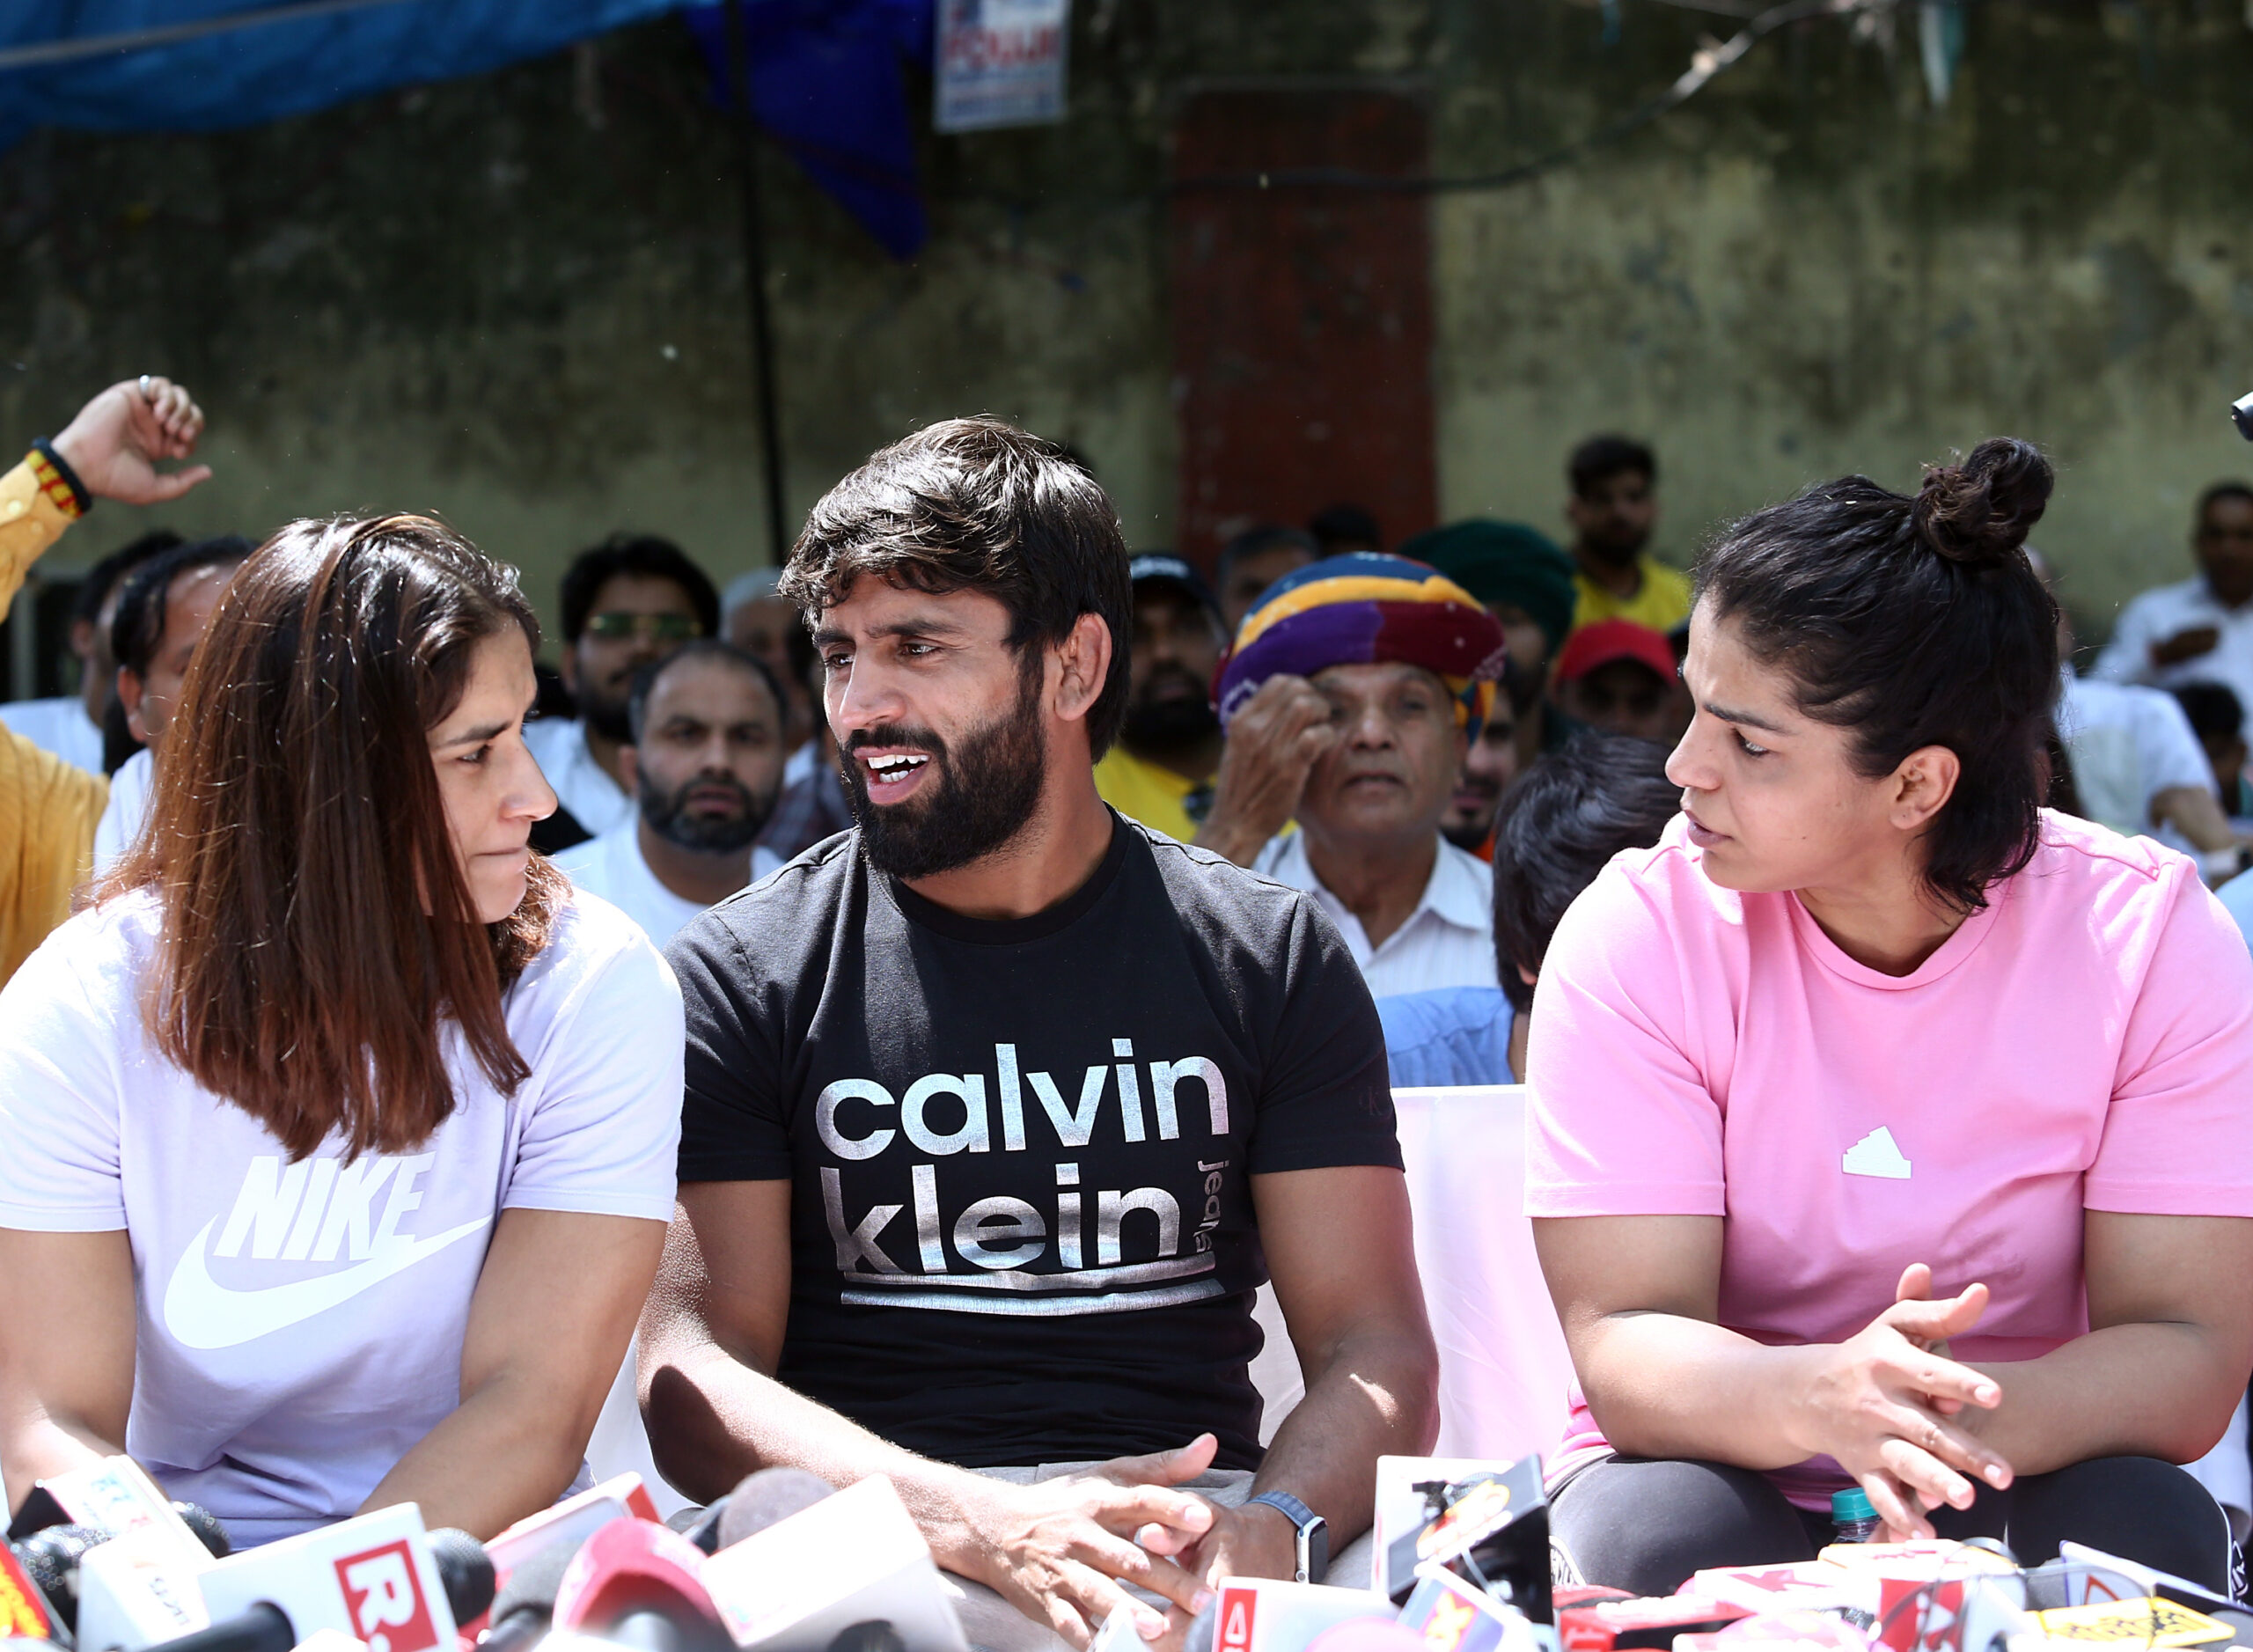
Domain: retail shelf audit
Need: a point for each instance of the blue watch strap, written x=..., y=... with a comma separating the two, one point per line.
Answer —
x=1313, y=1546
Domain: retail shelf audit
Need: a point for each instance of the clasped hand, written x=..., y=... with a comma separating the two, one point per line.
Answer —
x=1062, y=1551
x=1889, y=1404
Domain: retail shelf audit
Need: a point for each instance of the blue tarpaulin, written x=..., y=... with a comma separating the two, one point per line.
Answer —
x=826, y=75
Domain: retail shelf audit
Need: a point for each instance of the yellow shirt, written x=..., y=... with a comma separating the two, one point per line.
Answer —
x=1661, y=602
x=47, y=808
x=1145, y=792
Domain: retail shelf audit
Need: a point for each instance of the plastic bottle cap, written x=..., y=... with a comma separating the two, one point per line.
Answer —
x=1853, y=1503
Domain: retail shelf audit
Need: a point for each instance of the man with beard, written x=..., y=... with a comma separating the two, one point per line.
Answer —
x=1612, y=511
x=627, y=603
x=705, y=767
x=1000, y=1107
x=1406, y=660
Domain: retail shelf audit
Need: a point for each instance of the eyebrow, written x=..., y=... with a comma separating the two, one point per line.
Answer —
x=1745, y=717
x=485, y=731
x=914, y=625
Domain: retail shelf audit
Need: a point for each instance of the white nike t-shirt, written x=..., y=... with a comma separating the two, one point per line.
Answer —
x=299, y=1326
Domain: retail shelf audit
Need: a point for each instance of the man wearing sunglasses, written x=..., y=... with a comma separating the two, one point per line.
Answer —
x=626, y=603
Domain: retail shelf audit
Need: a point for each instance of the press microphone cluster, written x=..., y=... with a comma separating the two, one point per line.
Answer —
x=101, y=1562
x=100, y=1559
x=783, y=1563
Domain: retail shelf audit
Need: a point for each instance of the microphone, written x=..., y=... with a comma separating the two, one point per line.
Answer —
x=576, y=1518
x=117, y=1496
x=1271, y=1614
x=875, y=1636
x=379, y=1578
x=638, y=1583
x=853, y=1558
x=25, y=1612
x=205, y=1527
x=761, y=1499
x=525, y=1605
x=1490, y=1528
x=49, y=1558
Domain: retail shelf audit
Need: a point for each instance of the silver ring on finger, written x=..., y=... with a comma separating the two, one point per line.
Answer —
x=146, y=393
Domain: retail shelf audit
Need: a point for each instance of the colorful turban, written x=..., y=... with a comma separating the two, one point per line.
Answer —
x=1366, y=609
x=1506, y=562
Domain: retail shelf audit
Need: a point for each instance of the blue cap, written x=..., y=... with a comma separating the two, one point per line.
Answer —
x=1851, y=1504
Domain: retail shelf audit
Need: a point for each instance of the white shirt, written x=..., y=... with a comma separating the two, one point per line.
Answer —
x=129, y=801
x=2128, y=744
x=582, y=785
x=612, y=866
x=299, y=1326
x=1448, y=941
x=60, y=726
x=2158, y=614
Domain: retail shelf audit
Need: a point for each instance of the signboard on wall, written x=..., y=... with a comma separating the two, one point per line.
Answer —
x=1000, y=63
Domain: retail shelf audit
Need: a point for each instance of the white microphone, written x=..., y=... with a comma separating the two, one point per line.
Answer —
x=376, y=1578
x=854, y=1558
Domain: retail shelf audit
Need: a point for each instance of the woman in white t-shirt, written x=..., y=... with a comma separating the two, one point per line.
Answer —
x=1890, y=1132
x=338, y=1139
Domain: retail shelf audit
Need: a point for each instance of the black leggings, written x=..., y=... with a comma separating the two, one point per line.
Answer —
x=1644, y=1524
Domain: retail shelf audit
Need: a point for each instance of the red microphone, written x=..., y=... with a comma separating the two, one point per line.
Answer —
x=640, y=1585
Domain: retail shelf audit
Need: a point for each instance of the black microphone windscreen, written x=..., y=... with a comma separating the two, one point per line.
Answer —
x=208, y=1532
x=531, y=1586
x=872, y=1635
x=50, y=1558
x=1198, y=1636
x=647, y=1629
x=464, y=1571
x=759, y=1500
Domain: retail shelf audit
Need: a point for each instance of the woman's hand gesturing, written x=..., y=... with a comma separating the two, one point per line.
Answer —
x=1885, y=1402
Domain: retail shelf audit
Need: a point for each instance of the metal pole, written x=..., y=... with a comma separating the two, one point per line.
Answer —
x=754, y=262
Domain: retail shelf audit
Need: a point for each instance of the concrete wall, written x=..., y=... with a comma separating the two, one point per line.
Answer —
x=518, y=300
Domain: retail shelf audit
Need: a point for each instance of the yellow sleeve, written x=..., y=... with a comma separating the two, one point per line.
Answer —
x=48, y=809
x=36, y=505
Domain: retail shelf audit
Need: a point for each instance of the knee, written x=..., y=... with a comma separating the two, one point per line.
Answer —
x=1645, y=1526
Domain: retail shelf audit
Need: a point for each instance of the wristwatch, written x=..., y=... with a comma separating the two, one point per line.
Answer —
x=1313, y=1533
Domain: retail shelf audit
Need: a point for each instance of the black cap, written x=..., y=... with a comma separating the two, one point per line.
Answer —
x=1159, y=567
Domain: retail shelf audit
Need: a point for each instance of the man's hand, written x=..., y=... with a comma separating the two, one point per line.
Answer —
x=1273, y=744
x=1885, y=1404
x=2199, y=639
x=117, y=439
x=1058, y=1551
x=1250, y=1540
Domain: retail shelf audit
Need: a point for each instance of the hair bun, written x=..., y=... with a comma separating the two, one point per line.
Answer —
x=1980, y=512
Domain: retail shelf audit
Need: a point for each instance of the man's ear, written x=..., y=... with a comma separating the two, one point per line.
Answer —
x=566, y=667
x=1084, y=662
x=629, y=771
x=1922, y=785
x=82, y=639
x=129, y=690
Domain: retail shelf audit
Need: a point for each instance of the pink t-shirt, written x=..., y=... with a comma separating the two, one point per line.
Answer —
x=2084, y=1043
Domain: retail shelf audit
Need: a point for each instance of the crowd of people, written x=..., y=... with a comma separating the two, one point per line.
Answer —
x=917, y=996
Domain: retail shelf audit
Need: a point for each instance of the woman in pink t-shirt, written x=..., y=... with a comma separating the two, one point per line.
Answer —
x=1889, y=1129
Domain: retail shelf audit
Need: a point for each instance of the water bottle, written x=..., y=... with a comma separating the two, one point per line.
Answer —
x=1852, y=1519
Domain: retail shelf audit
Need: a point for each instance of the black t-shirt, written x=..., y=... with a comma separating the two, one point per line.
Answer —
x=1020, y=1230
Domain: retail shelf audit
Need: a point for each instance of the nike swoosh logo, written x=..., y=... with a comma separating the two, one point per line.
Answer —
x=202, y=1313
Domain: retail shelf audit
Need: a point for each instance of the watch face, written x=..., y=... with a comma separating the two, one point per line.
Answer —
x=1315, y=1539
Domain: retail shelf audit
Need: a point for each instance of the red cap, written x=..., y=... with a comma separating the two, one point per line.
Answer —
x=1609, y=640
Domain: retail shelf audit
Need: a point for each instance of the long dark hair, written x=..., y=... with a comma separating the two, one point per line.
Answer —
x=1912, y=622
x=317, y=932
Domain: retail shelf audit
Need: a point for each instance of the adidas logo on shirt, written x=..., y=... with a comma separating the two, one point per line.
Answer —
x=1877, y=1154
